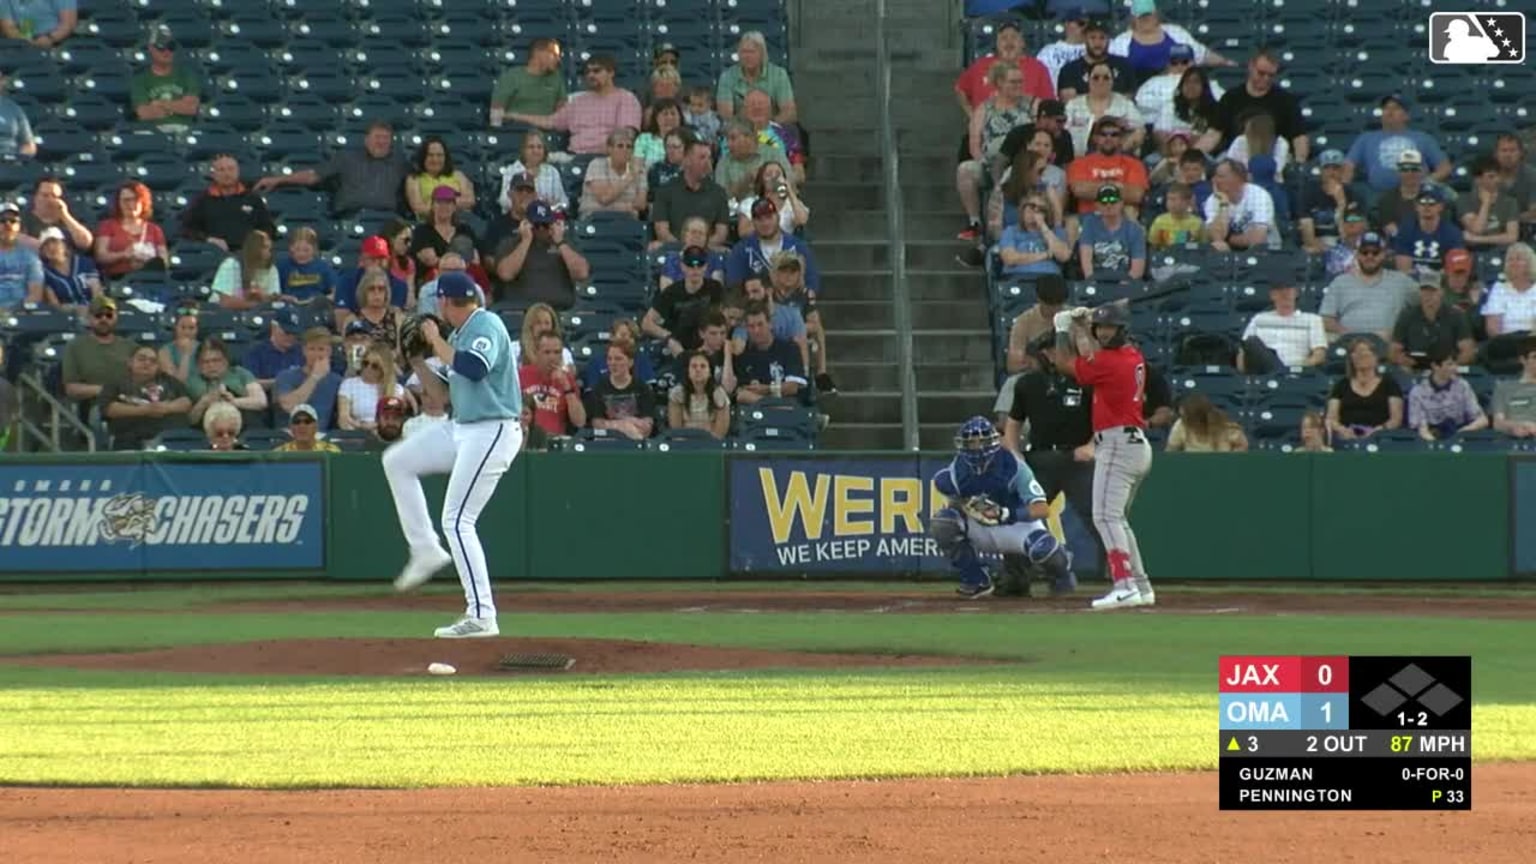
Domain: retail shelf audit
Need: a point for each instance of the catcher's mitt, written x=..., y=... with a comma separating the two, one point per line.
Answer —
x=984, y=510
x=412, y=342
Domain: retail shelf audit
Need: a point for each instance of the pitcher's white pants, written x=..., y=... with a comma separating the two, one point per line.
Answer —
x=474, y=455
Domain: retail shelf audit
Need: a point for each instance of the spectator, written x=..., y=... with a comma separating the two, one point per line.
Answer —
x=1030, y=325
x=1514, y=401
x=1035, y=245
x=1511, y=306
x=16, y=138
x=1515, y=175
x=176, y=356
x=314, y=385
x=620, y=403
x=432, y=239
x=1314, y=434
x=1259, y=139
x=665, y=56
x=51, y=210
x=1259, y=93
x=375, y=254
x=664, y=118
x=743, y=156
x=90, y=362
x=1072, y=81
x=1107, y=165
x=1287, y=336
x=1006, y=110
x=1111, y=245
x=167, y=93
x=222, y=424
x=357, y=401
x=280, y=351
x=1462, y=288
x=303, y=276
x=1051, y=122
x=1029, y=173
x=304, y=433
x=128, y=240
x=1399, y=205
x=535, y=439
x=627, y=331
x=1489, y=212
x=615, y=183
x=1323, y=202
x=1239, y=214
x=789, y=290
x=451, y=262
x=766, y=366
x=432, y=168
x=1149, y=43
x=1085, y=110
x=771, y=183
x=44, y=23
x=538, y=87
x=70, y=281
x=250, y=279
x=693, y=193
x=666, y=86
x=1204, y=428
x=375, y=309
x=786, y=321
x=670, y=166
x=593, y=114
x=1364, y=401
x=533, y=171
x=21, y=271
x=700, y=117
x=541, y=266
x=1370, y=297
x=1341, y=257
x=548, y=387
x=1379, y=152
x=678, y=308
x=1178, y=225
x=753, y=71
x=1192, y=173
x=1429, y=329
x=713, y=345
x=1155, y=95
x=1194, y=108
x=750, y=257
x=1423, y=242
x=1163, y=166
x=539, y=318
x=975, y=85
x=698, y=401
x=756, y=109
x=218, y=380
x=389, y=424
x=1442, y=405
x=225, y=212
x=138, y=403
x=695, y=233
x=370, y=179
x=1055, y=56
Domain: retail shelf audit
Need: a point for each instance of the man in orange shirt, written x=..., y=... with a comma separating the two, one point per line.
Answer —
x=1107, y=164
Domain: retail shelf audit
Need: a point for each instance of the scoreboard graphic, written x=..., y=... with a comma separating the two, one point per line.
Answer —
x=1346, y=733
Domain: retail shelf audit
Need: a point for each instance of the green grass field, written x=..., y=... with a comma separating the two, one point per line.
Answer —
x=1082, y=693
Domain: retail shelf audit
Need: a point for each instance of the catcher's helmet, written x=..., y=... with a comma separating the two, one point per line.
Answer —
x=977, y=442
x=1112, y=315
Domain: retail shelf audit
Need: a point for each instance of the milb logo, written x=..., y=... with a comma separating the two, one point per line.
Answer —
x=1476, y=38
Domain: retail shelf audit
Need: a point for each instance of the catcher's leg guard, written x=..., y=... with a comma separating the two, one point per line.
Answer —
x=1014, y=581
x=947, y=528
x=1048, y=553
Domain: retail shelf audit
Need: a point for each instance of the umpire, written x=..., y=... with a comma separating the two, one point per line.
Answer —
x=1060, y=439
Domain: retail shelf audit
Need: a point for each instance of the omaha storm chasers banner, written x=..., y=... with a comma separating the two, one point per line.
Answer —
x=151, y=516
x=865, y=515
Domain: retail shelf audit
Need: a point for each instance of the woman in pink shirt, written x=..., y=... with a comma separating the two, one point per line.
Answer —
x=127, y=241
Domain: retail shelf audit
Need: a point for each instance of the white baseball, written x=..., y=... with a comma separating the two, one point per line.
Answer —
x=440, y=669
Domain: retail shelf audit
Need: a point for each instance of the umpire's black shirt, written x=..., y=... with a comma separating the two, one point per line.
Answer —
x=1058, y=409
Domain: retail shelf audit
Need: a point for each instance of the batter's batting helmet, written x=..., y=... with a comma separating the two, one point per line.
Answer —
x=1112, y=315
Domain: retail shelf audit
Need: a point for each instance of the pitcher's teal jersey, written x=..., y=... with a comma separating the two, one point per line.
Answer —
x=497, y=396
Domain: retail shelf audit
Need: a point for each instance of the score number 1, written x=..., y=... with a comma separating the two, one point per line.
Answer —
x=1325, y=682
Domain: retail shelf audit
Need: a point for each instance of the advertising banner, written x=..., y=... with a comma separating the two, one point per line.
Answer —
x=859, y=514
x=161, y=516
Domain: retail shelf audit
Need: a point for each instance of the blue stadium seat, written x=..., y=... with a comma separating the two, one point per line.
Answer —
x=589, y=440
x=165, y=172
x=57, y=142
x=283, y=141
x=233, y=55
x=237, y=111
x=94, y=112
x=207, y=140
x=36, y=322
x=308, y=57
x=118, y=28
x=195, y=261
x=83, y=56
x=261, y=30
x=1227, y=391
x=669, y=440
x=333, y=32
x=786, y=415
x=771, y=438
x=182, y=440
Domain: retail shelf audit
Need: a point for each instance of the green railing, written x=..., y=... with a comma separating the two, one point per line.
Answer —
x=896, y=236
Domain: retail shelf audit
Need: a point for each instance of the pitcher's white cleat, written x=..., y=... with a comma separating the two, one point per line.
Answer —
x=469, y=628
x=421, y=568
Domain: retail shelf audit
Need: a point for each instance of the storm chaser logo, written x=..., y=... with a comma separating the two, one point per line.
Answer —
x=92, y=517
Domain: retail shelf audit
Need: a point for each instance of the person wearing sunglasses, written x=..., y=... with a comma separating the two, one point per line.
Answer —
x=97, y=357
x=1106, y=163
x=304, y=433
x=1369, y=298
x=1086, y=110
x=615, y=183
x=1149, y=42
x=21, y=271
x=593, y=113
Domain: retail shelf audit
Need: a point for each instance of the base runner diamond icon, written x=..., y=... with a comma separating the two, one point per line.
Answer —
x=1477, y=38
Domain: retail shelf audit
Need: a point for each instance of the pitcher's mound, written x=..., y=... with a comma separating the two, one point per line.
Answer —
x=469, y=656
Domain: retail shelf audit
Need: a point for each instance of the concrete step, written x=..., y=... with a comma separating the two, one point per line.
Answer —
x=954, y=406
x=945, y=285
x=921, y=194
x=862, y=377
x=869, y=406
x=860, y=436
x=935, y=346
x=849, y=255
x=850, y=138
x=851, y=316
x=920, y=224
x=937, y=437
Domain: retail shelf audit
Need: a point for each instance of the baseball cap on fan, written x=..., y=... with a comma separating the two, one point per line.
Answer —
x=1371, y=240
x=375, y=247
x=1458, y=261
x=1410, y=160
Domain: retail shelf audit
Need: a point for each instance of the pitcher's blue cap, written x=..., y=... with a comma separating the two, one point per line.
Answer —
x=456, y=283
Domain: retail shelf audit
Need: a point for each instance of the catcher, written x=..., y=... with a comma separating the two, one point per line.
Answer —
x=995, y=505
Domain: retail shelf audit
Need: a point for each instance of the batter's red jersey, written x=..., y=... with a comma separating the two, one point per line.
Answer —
x=1119, y=380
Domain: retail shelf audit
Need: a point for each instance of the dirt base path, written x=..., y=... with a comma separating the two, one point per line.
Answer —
x=1147, y=819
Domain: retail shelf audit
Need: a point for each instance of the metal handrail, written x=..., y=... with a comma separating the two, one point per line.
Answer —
x=60, y=416
x=895, y=226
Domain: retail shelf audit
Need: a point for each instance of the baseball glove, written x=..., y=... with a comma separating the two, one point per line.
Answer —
x=412, y=342
x=984, y=510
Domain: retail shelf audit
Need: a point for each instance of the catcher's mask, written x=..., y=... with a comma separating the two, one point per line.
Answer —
x=977, y=442
x=1111, y=315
